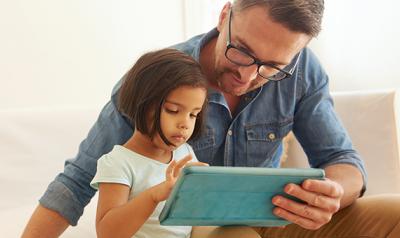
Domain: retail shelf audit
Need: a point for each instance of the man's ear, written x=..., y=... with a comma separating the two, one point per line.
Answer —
x=223, y=16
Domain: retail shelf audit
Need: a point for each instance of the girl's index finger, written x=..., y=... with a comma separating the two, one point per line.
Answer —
x=187, y=157
x=181, y=164
x=197, y=164
x=184, y=161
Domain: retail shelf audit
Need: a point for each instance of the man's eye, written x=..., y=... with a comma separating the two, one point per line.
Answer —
x=242, y=48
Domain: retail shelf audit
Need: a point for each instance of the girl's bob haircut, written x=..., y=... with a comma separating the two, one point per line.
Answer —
x=148, y=83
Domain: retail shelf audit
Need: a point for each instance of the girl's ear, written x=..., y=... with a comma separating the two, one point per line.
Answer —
x=223, y=16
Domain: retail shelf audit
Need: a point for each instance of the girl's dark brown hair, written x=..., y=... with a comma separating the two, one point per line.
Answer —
x=148, y=83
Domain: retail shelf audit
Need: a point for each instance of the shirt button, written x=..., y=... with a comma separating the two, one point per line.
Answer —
x=230, y=132
x=271, y=136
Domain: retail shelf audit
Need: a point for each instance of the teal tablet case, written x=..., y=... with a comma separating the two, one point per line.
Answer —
x=220, y=196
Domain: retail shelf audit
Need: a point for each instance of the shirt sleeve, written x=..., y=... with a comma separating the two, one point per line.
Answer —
x=112, y=169
x=316, y=124
x=70, y=192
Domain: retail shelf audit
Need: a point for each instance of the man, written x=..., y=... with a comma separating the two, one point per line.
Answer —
x=263, y=84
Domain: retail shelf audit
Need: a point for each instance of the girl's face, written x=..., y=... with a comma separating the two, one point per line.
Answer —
x=179, y=112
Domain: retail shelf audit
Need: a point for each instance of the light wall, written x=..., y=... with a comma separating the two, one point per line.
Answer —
x=71, y=53
x=67, y=53
x=359, y=44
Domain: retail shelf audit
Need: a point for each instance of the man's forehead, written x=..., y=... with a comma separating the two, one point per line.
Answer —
x=265, y=39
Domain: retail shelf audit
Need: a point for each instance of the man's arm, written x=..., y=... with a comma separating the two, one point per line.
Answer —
x=328, y=146
x=350, y=179
x=322, y=199
x=65, y=198
x=45, y=223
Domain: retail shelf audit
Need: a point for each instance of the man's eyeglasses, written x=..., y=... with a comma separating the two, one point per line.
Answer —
x=242, y=57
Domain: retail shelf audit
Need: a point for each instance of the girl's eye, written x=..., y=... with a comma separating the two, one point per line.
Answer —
x=171, y=111
x=193, y=115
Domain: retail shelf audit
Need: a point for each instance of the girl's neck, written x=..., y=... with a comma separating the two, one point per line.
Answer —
x=143, y=145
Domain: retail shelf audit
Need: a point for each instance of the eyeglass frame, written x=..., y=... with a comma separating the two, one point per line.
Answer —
x=259, y=63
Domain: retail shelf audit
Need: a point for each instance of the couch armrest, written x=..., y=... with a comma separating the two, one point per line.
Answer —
x=371, y=119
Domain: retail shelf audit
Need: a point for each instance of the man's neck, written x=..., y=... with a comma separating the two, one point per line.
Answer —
x=207, y=60
x=233, y=102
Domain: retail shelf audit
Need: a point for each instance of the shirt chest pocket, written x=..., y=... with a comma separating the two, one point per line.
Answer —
x=263, y=140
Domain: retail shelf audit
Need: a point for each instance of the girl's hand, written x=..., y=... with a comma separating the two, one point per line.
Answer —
x=161, y=191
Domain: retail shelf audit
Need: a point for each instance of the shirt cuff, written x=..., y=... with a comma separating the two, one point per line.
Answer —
x=356, y=163
x=61, y=200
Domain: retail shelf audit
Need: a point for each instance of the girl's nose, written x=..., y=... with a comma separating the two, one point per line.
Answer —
x=184, y=124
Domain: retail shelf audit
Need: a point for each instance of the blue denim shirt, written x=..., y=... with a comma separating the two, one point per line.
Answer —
x=252, y=137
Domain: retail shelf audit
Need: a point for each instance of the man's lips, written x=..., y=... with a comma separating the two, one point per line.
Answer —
x=237, y=80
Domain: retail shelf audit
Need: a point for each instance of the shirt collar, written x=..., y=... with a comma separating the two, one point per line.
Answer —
x=203, y=41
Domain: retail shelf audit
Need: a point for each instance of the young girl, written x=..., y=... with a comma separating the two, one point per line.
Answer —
x=163, y=96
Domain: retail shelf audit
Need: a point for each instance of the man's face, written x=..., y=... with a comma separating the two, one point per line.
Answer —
x=253, y=31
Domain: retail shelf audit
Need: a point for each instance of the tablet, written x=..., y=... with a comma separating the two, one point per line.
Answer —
x=221, y=196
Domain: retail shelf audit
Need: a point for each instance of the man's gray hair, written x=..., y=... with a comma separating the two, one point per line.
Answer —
x=297, y=15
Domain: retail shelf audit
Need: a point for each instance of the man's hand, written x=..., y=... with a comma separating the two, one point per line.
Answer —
x=322, y=199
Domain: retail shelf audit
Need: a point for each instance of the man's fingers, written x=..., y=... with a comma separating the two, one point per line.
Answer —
x=301, y=221
x=312, y=198
x=326, y=187
x=322, y=200
x=308, y=212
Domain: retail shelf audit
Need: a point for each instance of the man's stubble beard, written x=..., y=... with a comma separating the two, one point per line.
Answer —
x=219, y=82
x=223, y=84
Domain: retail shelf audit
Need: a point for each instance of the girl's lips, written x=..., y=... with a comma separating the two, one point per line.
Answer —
x=178, y=138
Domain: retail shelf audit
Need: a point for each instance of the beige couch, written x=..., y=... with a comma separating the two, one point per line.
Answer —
x=372, y=120
x=35, y=142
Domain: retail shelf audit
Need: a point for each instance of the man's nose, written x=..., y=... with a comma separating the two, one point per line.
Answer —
x=248, y=73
